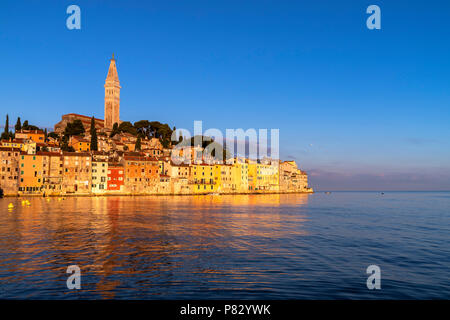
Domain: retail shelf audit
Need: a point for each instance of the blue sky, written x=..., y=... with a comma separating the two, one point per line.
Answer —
x=358, y=109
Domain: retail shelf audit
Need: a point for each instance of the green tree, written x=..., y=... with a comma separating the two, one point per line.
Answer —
x=137, y=147
x=94, y=140
x=5, y=134
x=27, y=126
x=143, y=128
x=74, y=128
x=18, y=126
x=53, y=135
x=126, y=126
x=65, y=144
x=115, y=130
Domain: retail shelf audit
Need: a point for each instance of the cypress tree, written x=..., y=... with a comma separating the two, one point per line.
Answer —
x=115, y=130
x=94, y=140
x=18, y=126
x=137, y=147
x=5, y=134
x=7, y=125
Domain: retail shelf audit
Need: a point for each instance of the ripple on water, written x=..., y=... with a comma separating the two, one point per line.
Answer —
x=228, y=247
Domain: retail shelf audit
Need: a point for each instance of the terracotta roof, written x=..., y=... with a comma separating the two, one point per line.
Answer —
x=114, y=164
x=17, y=140
x=46, y=153
x=76, y=154
x=31, y=131
x=81, y=116
x=139, y=158
x=178, y=165
x=9, y=149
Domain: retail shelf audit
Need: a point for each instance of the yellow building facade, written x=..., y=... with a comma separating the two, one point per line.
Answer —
x=31, y=178
x=223, y=178
x=202, y=178
x=239, y=176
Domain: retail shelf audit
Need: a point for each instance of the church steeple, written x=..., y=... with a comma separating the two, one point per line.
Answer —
x=112, y=95
x=112, y=71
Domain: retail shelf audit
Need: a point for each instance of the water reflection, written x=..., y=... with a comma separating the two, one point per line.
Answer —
x=227, y=247
x=141, y=246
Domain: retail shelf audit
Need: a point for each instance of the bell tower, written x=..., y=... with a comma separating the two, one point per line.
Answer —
x=112, y=95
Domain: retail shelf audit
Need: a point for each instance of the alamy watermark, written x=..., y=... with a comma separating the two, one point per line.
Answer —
x=74, y=20
x=374, y=280
x=213, y=146
x=374, y=20
x=74, y=280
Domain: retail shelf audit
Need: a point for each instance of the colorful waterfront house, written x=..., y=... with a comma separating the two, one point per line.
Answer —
x=99, y=176
x=223, y=177
x=52, y=171
x=9, y=171
x=292, y=179
x=267, y=177
x=164, y=184
x=116, y=177
x=252, y=176
x=37, y=136
x=179, y=177
x=141, y=173
x=31, y=178
x=77, y=174
x=80, y=144
x=202, y=178
x=179, y=170
x=239, y=175
x=180, y=185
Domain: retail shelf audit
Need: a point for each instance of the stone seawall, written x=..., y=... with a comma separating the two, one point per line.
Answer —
x=109, y=194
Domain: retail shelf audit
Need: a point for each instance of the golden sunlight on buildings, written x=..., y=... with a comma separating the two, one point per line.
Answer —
x=117, y=157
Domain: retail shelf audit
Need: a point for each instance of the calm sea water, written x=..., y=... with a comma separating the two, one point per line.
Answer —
x=228, y=247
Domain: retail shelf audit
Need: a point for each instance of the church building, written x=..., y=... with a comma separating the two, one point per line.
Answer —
x=112, y=105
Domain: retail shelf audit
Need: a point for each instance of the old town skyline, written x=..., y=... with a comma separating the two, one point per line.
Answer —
x=313, y=82
x=89, y=156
